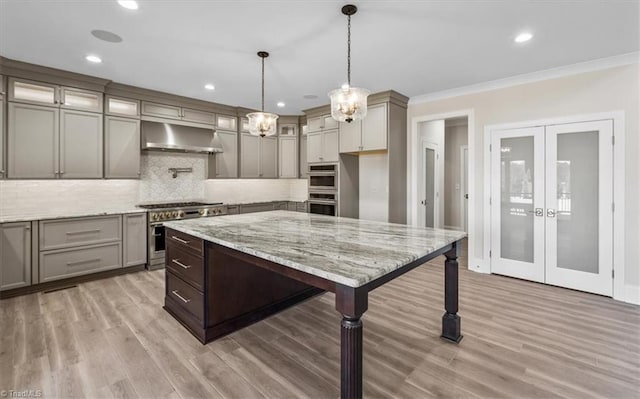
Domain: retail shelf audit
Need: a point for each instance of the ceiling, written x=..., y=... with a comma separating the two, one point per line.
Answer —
x=414, y=47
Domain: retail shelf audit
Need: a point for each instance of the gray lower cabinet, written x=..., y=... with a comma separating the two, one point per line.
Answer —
x=259, y=207
x=134, y=239
x=15, y=255
x=65, y=263
x=121, y=148
x=78, y=246
x=80, y=144
x=32, y=141
x=259, y=156
x=227, y=161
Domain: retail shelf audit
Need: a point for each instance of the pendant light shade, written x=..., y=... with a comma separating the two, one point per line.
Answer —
x=348, y=103
x=262, y=123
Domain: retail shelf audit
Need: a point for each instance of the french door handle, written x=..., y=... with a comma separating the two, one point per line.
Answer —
x=551, y=213
x=538, y=212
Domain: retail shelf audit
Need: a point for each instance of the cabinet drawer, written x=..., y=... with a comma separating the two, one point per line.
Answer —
x=67, y=263
x=55, y=234
x=185, y=296
x=183, y=241
x=186, y=265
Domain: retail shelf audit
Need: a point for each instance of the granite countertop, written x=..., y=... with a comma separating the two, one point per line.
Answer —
x=347, y=251
x=47, y=214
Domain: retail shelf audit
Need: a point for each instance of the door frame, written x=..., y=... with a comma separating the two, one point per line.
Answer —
x=618, y=117
x=436, y=194
x=413, y=156
x=463, y=183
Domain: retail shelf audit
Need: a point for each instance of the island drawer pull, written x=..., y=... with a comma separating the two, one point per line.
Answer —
x=69, y=233
x=182, y=265
x=183, y=299
x=80, y=262
x=180, y=240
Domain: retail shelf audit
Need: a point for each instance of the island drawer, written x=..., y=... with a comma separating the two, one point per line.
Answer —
x=186, y=265
x=67, y=233
x=185, y=296
x=184, y=241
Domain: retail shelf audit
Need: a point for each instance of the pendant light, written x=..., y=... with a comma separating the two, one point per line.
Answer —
x=348, y=103
x=262, y=123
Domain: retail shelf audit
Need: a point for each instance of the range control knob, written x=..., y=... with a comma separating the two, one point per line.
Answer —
x=174, y=214
x=166, y=215
x=202, y=212
x=154, y=216
x=180, y=214
x=218, y=211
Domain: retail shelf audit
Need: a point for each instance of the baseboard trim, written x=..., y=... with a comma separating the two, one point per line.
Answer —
x=632, y=294
x=479, y=266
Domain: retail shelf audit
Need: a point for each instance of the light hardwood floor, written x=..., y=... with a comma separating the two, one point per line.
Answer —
x=111, y=338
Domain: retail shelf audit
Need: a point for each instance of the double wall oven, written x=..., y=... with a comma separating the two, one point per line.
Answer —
x=323, y=189
x=160, y=213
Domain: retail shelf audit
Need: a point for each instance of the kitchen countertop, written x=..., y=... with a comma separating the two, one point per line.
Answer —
x=64, y=214
x=347, y=251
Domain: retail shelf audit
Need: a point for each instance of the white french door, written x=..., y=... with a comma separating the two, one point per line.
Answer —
x=551, y=211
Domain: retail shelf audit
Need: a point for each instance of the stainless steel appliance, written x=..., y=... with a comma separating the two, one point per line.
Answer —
x=159, y=213
x=174, y=137
x=323, y=203
x=323, y=177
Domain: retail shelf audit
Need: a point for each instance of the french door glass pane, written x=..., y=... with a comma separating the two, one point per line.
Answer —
x=577, y=194
x=516, y=198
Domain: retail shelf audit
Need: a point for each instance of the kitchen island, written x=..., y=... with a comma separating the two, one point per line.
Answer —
x=227, y=272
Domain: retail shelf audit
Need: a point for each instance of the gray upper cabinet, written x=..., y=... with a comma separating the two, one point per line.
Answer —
x=161, y=110
x=322, y=146
x=269, y=157
x=250, y=155
x=314, y=147
x=31, y=92
x=119, y=106
x=134, y=251
x=32, y=141
x=324, y=122
x=15, y=255
x=259, y=156
x=81, y=100
x=229, y=123
x=80, y=145
x=369, y=134
x=288, y=160
x=303, y=156
x=121, y=148
x=179, y=113
x=227, y=161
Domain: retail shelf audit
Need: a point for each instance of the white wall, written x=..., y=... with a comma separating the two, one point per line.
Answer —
x=28, y=197
x=455, y=136
x=373, y=170
x=591, y=92
x=432, y=132
x=244, y=191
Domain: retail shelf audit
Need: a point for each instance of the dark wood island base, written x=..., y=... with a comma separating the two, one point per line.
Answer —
x=214, y=290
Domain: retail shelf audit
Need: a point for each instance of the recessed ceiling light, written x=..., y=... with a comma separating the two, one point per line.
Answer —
x=106, y=36
x=523, y=37
x=280, y=104
x=93, y=58
x=209, y=86
x=129, y=4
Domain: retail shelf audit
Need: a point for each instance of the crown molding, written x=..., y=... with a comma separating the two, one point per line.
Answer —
x=546, y=74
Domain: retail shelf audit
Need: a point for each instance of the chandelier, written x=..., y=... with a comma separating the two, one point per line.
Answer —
x=348, y=103
x=262, y=123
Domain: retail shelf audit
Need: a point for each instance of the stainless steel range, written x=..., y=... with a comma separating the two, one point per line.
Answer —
x=159, y=213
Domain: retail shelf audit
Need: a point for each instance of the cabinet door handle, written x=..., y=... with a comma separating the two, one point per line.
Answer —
x=183, y=299
x=180, y=240
x=80, y=262
x=182, y=265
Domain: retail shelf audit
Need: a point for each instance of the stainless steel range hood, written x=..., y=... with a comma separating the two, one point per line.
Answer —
x=159, y=136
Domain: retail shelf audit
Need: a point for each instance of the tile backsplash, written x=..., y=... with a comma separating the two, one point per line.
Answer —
x=34, y=196
x=157, y=184
x=242, y=191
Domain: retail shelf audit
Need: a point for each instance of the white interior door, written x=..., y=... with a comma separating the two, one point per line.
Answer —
x=430, y=196
x=579, y=215
x=464, y=193
x=517, y=202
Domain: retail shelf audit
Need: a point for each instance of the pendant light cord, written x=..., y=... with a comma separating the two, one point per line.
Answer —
x=349, y=50
x=263, y=84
